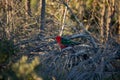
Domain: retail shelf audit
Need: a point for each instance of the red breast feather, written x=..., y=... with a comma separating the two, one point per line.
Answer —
x=58, y=39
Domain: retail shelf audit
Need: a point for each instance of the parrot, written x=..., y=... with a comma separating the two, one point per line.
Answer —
x=63, y=42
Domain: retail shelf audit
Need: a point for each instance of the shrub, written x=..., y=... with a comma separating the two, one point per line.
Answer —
x=7, y=49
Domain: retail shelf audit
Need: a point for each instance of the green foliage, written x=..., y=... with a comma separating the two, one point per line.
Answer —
x=89, y=3
x=34, y=4
x=6, y=50
x=22, y=69
x=25, y=70
x=8, y=74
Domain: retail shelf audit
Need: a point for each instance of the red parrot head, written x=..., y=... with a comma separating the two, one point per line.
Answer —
x=59, y=41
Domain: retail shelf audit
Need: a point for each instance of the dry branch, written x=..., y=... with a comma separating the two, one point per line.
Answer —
x=81, y=25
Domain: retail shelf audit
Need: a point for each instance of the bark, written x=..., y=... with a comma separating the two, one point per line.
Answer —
x=109, y=15
x=102, y=24
x=43, y=15
x=9, y=17
x=81, y=11
x=28, y=7
x=119, y=20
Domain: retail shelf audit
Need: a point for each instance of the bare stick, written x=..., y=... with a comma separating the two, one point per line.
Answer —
x=63, y=22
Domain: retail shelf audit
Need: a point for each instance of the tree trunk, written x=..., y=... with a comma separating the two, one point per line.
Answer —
x=81, y=10
x=102, y=21
x=9, y=17
x=43, y=15
x=109, y=16
x=119, y=20
x=28, y=7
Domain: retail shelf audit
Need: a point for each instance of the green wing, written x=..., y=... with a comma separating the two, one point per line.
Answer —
x=67, y=42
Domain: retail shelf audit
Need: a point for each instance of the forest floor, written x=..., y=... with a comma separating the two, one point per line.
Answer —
x=102, y=62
